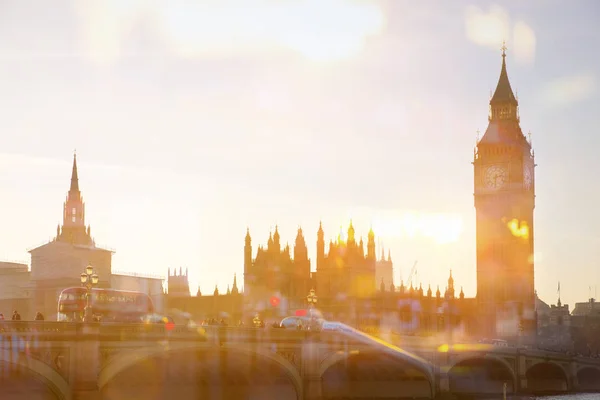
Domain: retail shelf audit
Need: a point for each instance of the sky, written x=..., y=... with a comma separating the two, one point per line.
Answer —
x=194, y=120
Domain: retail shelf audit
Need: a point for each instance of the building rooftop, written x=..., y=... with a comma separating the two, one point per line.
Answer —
x=78, y=246
x=139, y=275
x=13, y=265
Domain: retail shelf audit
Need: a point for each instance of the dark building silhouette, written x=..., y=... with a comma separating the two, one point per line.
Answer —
x=229, y=306
x=178, y=284
x=585, y=323
x=274, y=279
x=412, y=310
x=384, y=272
x=277, y=285
x=347, y=270
x=554, y=331
x=504, y=201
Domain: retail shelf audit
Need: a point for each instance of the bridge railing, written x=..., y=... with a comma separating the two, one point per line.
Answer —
x=587, y=360
x=52, y=330
x=37, y=327
x=119, y=332
x=217, y=334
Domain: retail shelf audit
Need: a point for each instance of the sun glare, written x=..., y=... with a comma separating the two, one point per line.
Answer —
x=441, y=228
x=518, y=229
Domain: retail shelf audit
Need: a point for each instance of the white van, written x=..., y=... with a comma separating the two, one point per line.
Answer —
x=295, y=323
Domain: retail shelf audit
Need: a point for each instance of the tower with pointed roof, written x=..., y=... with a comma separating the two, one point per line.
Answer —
x=301, y=276
x=321, y=247
x=450, y=291
x=504, y=202
x=73, y=229
x=248, y=273
x=384, y=269
x=234, y=289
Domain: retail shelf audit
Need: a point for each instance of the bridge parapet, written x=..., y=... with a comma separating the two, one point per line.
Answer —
x=49, y=330
x=79, y=360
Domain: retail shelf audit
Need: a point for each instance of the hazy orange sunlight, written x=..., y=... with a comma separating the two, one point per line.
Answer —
x=440, y=227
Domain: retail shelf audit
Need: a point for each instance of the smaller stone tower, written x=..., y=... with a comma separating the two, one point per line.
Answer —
x=178, y=284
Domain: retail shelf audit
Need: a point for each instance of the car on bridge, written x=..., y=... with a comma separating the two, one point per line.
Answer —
x=302, y=323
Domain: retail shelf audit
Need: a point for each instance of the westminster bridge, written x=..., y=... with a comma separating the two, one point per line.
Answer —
x=54, y=360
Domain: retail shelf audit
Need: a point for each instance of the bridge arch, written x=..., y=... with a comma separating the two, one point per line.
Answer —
x=588, y=378
x=344, y=355
x=547, y=376
x=331, y=360
x=130, y=358
x=38, y=371
x=481, y=375
x=490, y=357
x=582, y=367
x=369, y=372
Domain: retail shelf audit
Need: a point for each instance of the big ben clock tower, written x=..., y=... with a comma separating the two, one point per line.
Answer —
x=504, y=202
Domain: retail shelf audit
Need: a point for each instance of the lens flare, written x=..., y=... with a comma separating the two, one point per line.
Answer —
x=274, y=300
x=518, y=229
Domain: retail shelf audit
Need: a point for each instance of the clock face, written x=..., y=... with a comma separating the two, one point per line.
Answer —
x=527, y=177
x=495, y=177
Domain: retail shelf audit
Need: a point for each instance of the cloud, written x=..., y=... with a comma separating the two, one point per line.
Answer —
x=487, y=29
x=102, y=24
x=569, y=90
x=524, y=43
x=320, y=31
x=492, y=28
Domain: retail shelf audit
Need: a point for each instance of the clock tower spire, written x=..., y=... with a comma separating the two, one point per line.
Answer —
x=73, y=229
x=504, y=202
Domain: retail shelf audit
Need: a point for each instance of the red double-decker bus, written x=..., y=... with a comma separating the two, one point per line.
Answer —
x=108, y=305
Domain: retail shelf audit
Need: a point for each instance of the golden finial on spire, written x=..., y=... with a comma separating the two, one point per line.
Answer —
x=503, y=48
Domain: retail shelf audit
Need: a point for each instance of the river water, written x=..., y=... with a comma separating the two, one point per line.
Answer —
x=590, y=396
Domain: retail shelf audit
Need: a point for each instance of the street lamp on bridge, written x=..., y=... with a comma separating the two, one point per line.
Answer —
x=89, y=279
x=312, y=299
x=257, y=321
x=312, y=302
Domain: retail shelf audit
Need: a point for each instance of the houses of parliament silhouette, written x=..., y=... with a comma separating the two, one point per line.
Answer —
x=352, y=283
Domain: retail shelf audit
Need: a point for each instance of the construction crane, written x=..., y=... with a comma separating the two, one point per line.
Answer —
x=413, y=273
